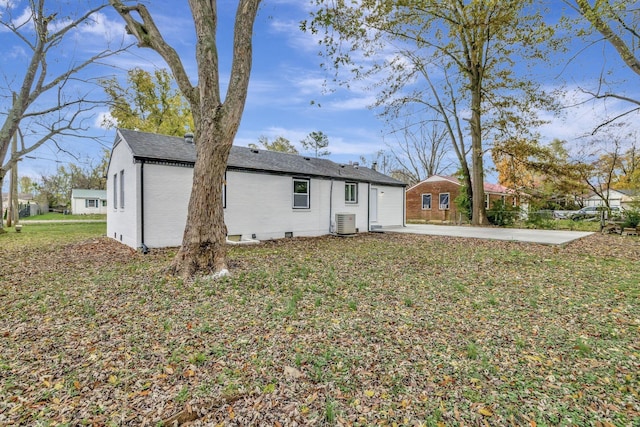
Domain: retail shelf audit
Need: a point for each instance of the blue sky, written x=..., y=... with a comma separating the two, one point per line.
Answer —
x=287, y=94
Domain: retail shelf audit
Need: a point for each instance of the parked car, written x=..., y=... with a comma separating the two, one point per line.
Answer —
x=594, y=212
x=558, y=214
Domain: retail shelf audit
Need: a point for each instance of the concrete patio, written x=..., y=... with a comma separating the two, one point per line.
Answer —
x=550, y=237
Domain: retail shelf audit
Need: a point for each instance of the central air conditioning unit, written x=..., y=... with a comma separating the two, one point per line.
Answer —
x=345, y=223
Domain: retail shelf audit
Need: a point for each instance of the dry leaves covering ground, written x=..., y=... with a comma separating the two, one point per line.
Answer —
x=378, y=329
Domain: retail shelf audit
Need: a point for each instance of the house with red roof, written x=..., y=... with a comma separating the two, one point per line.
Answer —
x=433, y=199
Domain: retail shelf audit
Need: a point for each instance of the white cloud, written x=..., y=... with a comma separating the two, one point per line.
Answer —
x=18, y=52
x=25, y=18
x=353, y=103
x=583, y=114
x=103, y=118
x=7, y=4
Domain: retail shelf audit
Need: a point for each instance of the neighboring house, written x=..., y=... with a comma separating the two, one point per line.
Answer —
x=27, y=205
x=267, y=195
x=617, y=198
x=433, y=198
x=88, y=201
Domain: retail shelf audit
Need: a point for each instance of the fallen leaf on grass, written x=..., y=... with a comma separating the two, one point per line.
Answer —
x=292, y=372
x=486, y=412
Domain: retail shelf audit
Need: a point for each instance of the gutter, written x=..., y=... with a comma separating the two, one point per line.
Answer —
x=369, y=207
x=145, y=249
x=404, y=208
x=330, y=205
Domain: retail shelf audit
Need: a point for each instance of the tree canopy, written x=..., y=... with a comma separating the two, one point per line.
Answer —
x=474, y=44
x=148, y=103
x=316, y=142
x=618, y=22
x=280, y=144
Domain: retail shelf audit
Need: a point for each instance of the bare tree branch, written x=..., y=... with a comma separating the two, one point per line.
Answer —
x=149, y=36
x=63, y=113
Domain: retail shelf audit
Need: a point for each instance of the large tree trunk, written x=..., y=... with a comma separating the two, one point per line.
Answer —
x=204, y=240
x=203, y=247
x=479, y=214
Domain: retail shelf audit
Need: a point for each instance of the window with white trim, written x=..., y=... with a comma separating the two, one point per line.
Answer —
x=122, y=189
x=115, y=191
x=300, y=193
x=351, y=192
x=426, y=201
x=90, y=203
x=444, y=201
x=514, y=202
x=486, y=201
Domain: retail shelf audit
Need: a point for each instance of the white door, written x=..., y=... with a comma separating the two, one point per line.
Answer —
x=373, y=205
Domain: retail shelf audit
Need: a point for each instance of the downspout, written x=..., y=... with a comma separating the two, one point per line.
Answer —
x=330, y=205
x=145, y=249
x=404, y=207
x=369, y=207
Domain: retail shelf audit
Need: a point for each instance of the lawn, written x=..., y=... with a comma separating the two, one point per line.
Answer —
x=378, y=329
x=51, y=216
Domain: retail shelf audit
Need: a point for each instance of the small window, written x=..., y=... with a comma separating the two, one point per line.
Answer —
x=122, y=189
x=104, y=203
x=115, y=191
x=351, y=192
x=426, y=202
x=514, y=202
x=300, y=193
x=90, y=203
x=486, y=201
x=444, y=201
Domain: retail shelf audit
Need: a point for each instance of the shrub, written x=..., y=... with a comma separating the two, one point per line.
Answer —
x=502, y=214
x=542, y=219
x=631, y=217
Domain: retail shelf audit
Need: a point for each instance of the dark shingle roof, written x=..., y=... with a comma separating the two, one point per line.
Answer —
x=150, y=146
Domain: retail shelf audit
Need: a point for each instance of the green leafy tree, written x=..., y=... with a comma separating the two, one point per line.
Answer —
x=280, y=144
x=216, y=121
x=148, y=103
x=629, y=174
x=27, y=185
x=317, y=143
x=471, y=45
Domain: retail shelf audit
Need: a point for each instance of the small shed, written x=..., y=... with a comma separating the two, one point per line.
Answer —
x=85, y=201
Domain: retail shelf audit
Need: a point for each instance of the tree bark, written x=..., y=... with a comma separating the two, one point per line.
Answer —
x=479, y=214
x=595, y=16
x=204, y=240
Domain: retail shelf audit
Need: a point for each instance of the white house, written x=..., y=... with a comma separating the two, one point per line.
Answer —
x=88, y=201
x=268, y=195
x=617, y=198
